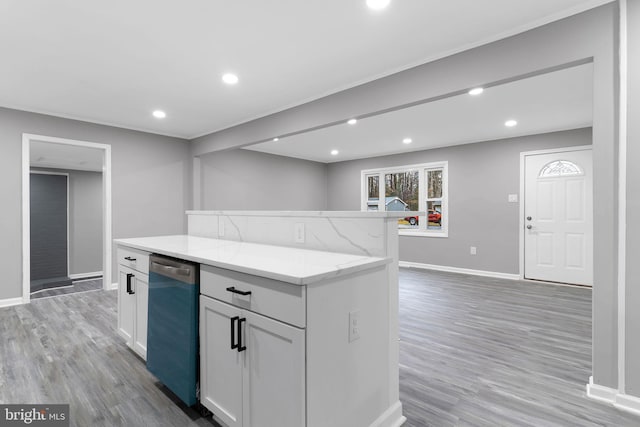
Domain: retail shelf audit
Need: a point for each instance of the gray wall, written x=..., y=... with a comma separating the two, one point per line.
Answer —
x=249, y=180
x=151, y=183
x=632, y=354
x=85, y=220
x=481, y=176
x=589, y=36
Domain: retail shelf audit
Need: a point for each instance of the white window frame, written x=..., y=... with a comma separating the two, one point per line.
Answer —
x=422, y=197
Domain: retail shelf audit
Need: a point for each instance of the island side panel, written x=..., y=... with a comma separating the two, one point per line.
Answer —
x=348, y=382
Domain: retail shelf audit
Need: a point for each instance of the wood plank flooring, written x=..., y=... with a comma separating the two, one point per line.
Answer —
x=76, y=286
x=473, y=352
x=65, y=349
x=479, y=352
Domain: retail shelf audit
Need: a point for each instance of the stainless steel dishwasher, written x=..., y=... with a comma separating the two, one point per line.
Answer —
x=172, y=341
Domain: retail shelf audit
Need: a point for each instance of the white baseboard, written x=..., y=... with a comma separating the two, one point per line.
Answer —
x=11, y=301
x=483, y=273
x=84, y=275
x=599, y=392
x=610, y=395
x=113, y=286
x=392, y=417
x=628, y=403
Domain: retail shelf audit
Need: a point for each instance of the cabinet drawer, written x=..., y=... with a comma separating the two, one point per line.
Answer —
x=134, y=258
x=271, y=298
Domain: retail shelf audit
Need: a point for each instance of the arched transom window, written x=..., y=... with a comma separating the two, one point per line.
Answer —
x=560, y=168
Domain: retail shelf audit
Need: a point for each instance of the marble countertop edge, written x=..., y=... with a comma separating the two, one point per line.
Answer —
x=313, y=266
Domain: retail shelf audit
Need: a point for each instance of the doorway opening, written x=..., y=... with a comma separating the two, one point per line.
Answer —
x=74, y=157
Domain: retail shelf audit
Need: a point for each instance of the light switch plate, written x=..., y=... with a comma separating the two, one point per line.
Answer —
x=473, y=250
x=513, y=198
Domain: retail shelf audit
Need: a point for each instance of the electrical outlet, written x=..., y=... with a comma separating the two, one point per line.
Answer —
x=354, y=326
x=220, y=227
x=513, y=198
x=298, y=232
x=473, y=250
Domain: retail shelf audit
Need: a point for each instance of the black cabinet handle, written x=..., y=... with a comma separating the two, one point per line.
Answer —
x=240, y=346
x=235, y=291
x=129, y=290
x=233, y=332
x=128, y=258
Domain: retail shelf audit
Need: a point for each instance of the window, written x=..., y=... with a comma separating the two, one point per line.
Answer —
x=410, y=188
x=560, y=168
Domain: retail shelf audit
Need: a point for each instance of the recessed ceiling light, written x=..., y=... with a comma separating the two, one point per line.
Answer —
x=378, y=4
x=510, y=123
x=159, y=114
x=407, y=141
x=230, y=79
x=276, y=139
x=352, y=121
x=334, y=152
x=476, y=91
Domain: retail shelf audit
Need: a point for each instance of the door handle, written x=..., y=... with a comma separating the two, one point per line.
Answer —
x=235, y=291
x=128, y=258
x=234, y=345
x=528, y=218
x=240, y=346
x=529, y=227
x=130, y=291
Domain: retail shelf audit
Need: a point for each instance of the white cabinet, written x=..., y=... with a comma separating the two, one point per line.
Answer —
x=133, y=295
x=252, y=367
x=299, y=368
x=273, y=380
x=220, y=364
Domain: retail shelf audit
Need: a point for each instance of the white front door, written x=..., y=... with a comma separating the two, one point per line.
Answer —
x=558, y=210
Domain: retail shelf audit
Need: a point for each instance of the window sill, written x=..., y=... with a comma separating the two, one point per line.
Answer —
x=412, y=233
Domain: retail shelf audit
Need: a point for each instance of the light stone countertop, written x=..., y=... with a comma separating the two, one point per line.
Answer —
x=291, y=265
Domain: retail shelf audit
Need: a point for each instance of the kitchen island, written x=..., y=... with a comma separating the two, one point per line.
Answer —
x=289, y=335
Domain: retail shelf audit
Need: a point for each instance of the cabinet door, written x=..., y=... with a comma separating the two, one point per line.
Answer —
x=220, y=365
x=141, y=288
x=126, y=305
x=274, y=373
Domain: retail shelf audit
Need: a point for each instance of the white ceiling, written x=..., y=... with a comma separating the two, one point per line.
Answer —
x=117, y=61
x=63, y=156
x=555, y=101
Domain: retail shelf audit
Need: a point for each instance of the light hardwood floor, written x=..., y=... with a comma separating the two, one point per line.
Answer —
x=65, y=349
x=473, y=352
x=478, y=352
x=77, y=286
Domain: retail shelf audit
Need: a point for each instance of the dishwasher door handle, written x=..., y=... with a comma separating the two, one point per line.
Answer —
x=177, y=271
x=130, y=291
